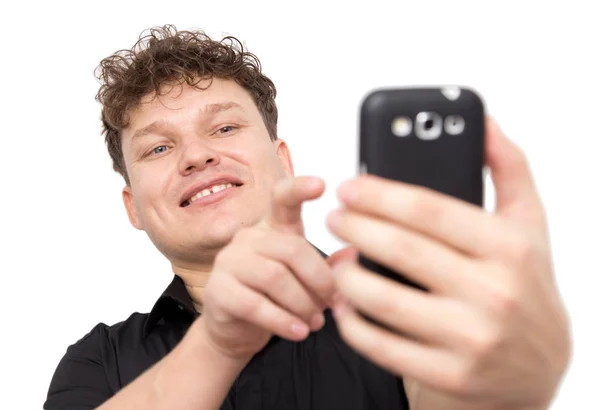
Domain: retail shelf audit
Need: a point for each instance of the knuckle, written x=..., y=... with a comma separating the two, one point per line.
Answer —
x=421, y=206
x=506, y=305
x=461, y=383
x=504, y=302
x=216, y=302
x=406, y=251
x=520, y=250
x=377, y=196
x=249, y=307
x=273, y=274
x=295, y=247
x=387, y=307
x=483, y=343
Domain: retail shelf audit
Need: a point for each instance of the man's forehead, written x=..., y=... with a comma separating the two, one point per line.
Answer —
x=206, y=112
x=220, y=96
x=204, y=90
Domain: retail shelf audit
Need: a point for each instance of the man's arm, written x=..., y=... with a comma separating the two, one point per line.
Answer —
x=193, y=375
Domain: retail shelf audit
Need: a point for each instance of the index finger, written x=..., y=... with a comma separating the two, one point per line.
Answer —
x=288, y=196
x=446, y=219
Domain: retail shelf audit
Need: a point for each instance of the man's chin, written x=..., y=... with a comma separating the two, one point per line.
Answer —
x=216, y=236
x=197, y=253
x=202, y=239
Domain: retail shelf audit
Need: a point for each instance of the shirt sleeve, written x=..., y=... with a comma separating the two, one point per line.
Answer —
x=80, y=380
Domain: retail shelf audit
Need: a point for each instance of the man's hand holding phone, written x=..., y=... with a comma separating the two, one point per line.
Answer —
x=492, y=331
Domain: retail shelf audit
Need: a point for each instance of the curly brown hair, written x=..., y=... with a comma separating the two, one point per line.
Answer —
x=168, y=56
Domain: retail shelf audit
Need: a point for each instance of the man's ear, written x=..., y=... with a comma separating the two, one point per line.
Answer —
x=130, y=208
x=285, y=158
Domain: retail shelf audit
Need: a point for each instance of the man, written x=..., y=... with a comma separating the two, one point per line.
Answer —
x=190, y=123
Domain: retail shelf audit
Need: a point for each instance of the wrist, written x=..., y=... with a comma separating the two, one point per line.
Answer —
x=201, y=343
x=194, y=374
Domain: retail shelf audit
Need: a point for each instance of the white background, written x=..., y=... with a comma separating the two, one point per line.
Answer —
x=70, y=259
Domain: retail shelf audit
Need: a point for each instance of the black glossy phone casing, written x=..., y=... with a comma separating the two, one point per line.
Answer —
x=451, y=164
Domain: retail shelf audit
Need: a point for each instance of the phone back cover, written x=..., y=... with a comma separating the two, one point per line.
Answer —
x=451, y=164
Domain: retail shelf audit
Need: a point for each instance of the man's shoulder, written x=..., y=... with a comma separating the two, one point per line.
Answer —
x=132, y=326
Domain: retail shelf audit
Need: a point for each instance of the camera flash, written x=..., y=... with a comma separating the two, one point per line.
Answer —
x=451, y=92
x=401, y=126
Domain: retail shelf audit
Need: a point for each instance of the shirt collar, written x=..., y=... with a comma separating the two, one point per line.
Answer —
x=175, y=300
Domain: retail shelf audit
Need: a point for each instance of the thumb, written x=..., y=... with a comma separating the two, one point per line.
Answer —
x=516, y=194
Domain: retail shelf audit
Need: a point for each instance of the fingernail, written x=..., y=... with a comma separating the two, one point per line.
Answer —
x=317, y=321
x=346, y=192
x=300, y=329
x=316, y=182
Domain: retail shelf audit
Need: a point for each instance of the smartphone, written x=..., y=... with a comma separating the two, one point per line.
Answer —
x=433, y=137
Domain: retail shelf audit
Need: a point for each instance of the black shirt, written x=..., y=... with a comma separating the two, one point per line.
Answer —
x=319, y=373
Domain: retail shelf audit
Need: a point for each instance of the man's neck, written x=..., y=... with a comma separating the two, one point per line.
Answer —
x=195, y=280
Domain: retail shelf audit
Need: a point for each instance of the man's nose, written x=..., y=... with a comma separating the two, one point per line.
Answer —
x=198, y=155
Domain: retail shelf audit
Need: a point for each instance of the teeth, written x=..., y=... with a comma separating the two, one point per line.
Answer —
x=212, y=190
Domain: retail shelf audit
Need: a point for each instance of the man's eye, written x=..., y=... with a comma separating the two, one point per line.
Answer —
x=226, y=129
x=159, y=150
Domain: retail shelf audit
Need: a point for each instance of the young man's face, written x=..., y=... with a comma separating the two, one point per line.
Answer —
x=201, y=166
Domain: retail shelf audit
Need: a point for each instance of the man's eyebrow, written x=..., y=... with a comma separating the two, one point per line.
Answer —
x=209, y=110
x=219, y=107
x=154, y=127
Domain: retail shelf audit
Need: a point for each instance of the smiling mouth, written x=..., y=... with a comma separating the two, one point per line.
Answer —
x=209, y=191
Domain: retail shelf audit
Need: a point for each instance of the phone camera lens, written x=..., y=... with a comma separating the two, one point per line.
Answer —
x=454, y=124
x=428, y=125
